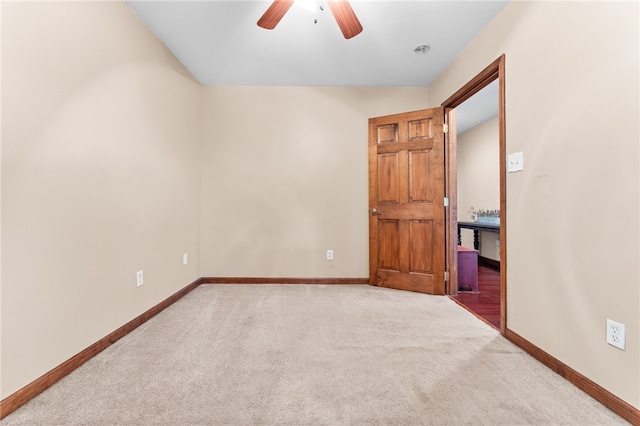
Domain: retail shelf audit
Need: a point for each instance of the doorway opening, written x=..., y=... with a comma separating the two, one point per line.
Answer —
x=487, y=294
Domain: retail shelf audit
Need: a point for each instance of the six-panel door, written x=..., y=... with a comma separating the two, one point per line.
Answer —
x=406, y=189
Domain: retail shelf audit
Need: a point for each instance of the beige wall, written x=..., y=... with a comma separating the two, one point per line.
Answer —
x=478, y=163
x=284, y=178
x=572, y=226
x=100, y=178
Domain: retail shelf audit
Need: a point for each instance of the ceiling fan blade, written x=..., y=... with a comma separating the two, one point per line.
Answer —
x=274, y=14
x=345, y=17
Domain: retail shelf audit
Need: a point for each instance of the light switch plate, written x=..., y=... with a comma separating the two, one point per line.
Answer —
x=515, y=162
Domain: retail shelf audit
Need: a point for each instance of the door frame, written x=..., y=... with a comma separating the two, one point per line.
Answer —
x=495, y=71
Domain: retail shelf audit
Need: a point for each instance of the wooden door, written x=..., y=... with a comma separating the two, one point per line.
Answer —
x=406, y=201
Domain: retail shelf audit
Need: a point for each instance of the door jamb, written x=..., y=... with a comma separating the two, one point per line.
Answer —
x=496, y=70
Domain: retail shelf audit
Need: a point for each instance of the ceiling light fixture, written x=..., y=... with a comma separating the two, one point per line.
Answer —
x=310, y=5
x=422, y=49
x=340, y=9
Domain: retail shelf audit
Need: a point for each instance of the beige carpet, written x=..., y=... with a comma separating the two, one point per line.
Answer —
x=312, y=355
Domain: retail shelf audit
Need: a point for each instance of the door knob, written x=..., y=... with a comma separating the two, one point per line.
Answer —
x=376, y=212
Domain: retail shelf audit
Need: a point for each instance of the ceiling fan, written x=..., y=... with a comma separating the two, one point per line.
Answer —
x=340, y=9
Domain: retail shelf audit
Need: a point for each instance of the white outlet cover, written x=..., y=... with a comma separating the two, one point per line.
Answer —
x=329, y=254
x=185, y=258
x=139, y=278
x=615, y=334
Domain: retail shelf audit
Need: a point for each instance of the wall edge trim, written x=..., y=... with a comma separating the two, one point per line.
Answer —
x=264, y=280
x=488, y=261
x=14, y=401
x=597, y=392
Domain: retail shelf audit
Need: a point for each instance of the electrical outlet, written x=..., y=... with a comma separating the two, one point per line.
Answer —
x=185, y=258
x=615, y=334
x=139, y=278
x=329, y=254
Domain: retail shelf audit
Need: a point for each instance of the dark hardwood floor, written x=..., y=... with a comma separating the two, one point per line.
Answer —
x=485, y=304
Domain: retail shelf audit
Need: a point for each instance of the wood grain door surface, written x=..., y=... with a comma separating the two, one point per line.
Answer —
x=406, y=201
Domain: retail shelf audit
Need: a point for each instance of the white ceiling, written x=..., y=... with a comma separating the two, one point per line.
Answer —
x=479, y=108
x=220, y=43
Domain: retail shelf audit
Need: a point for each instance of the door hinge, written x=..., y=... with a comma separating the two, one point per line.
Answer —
x=445, y=128
x=446, y=276
x=446, y=201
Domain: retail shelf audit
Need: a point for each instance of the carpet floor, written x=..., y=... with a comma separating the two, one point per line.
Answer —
x=312, y=355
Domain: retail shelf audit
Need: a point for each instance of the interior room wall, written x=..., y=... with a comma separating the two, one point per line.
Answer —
x=572, y=108
x=478, y=163
x=100, y=179
x=285, y=177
